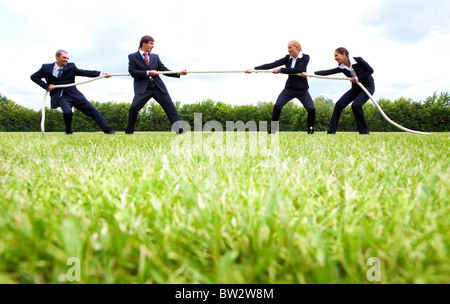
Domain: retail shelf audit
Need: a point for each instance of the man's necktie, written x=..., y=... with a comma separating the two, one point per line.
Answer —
x=60, y=73
x=146, y=59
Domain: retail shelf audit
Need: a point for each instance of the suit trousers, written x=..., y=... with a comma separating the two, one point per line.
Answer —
x=83, y=105
x=287, y=95
x=359, y=99
x=140, y=100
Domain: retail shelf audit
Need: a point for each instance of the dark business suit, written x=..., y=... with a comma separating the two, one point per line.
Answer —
x=146, y=87
x=69, y=97
x=296, y=87
x=356, y=95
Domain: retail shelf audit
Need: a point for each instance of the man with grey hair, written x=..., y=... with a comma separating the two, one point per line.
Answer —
x=64, y=72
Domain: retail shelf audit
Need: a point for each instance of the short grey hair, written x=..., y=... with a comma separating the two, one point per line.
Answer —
x=59, y=52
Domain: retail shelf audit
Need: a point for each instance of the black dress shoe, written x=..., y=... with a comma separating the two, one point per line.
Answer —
x=180, y=131
x=68, y=132
x=311, y=131
x=331, y=133
x=110, y=132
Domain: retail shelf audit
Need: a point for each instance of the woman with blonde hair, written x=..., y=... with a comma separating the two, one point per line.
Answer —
x=296, y=87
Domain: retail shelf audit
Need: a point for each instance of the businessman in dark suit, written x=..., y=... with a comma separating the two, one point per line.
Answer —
x=143, y=67
x=296, y=87
x=357, y=69
x=63, y=72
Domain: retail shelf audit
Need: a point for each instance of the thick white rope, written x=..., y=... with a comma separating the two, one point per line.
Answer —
x=373, y=100
x=231, y=72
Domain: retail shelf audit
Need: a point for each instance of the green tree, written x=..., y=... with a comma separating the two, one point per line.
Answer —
x=324, y=110
x=431, y=115
x=15, y=118
x=437, y=112
x=116, y=114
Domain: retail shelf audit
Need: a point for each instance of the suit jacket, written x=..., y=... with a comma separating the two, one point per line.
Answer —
x=362, y=69
x=67, y=77
x=138, y=70
x=293, y=82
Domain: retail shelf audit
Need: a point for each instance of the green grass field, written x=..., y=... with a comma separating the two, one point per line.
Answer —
x=313, y=210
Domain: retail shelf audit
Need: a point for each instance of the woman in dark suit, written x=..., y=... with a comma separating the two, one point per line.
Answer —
x=359, y=71
x=296, y=87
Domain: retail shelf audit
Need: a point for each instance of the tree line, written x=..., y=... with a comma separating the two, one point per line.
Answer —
x=429, y=115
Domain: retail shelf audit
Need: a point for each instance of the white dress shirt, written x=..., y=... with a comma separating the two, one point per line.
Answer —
x=148, y=56
x=56, y=70
x=351, y=69
x=294, y=60
x=142, y=54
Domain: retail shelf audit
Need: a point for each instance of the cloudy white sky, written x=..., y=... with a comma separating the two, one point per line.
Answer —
x=407, y=42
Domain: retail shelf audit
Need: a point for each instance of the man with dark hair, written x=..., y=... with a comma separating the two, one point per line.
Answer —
x=64, y=72
x=143, y=67
x=146, y=39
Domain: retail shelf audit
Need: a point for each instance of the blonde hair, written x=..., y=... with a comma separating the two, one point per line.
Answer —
x=297, y=44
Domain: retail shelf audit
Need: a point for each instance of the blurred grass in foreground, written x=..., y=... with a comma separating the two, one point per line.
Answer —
x=314, y=211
